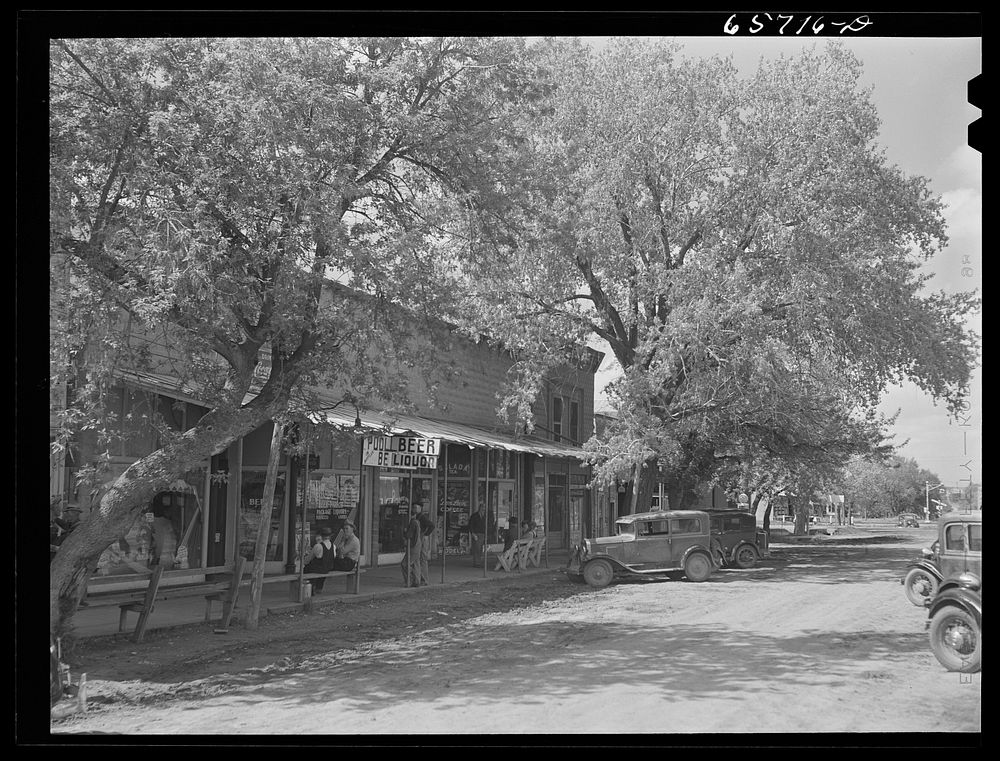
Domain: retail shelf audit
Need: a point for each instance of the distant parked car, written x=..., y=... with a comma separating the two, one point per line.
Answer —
x=955, y=613
x=658, y=543
x=908, y=520
x=736, y=540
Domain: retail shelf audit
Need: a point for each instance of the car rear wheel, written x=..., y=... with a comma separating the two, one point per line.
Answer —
x=746, y=557
x=956, y=640
x=698, y=566
x=919, y=586
x=598, y=573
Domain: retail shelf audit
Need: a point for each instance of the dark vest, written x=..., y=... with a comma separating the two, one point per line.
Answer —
x=323, y=564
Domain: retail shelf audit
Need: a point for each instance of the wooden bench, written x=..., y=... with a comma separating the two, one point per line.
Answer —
x=514, y=557
x=533, y=555
x=353, y=586
x=143, y=601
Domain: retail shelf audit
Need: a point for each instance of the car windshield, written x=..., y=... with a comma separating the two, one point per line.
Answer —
x=625, y=528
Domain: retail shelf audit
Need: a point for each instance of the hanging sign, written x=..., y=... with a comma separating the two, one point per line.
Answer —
x=402, y=452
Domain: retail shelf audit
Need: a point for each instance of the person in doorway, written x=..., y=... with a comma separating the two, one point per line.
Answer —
x=477, y=535
x=320, y=560
x=348, y=549
x=412, y=542
x=426, y=540
x=527, y=532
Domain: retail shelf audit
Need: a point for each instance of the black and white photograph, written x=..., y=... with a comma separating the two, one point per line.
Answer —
x=587, y=379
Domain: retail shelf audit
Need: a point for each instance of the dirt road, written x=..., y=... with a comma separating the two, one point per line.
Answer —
x=820, y=638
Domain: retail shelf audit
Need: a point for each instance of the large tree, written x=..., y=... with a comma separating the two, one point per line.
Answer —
x=735, y=241
x=204, y=191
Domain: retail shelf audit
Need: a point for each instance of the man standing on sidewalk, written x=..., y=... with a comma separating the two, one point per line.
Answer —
x=477, y=535
x=426, y=539
x=411, y=551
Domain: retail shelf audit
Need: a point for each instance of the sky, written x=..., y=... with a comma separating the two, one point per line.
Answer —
x=920, y=90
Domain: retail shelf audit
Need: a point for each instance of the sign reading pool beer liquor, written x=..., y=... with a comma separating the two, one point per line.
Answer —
x=406, y=452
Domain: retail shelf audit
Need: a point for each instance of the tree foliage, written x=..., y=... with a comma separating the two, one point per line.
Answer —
x=204, y=191
x=741, y=244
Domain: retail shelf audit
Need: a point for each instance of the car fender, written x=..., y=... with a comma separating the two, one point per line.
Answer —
x=616, y=564
x=924, y=565
x=962, y=597
x=702, y=549
x=744, y=543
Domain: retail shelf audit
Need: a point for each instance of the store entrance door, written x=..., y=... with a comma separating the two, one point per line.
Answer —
x=395, y=493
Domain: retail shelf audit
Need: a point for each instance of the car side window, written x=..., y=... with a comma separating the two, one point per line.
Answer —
x=954, y=538
x=975, y=537
x=733, y=523
x=685, y=525
x=658, y=527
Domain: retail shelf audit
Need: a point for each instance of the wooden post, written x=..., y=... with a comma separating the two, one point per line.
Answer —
x=264, y=526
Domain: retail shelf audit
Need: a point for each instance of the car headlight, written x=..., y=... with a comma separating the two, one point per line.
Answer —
x=970, y=581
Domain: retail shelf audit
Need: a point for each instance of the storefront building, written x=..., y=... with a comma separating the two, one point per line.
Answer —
x=371, y=467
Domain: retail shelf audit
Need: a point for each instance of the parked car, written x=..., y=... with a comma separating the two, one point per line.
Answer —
x=955, y=613
x=658, y=543
x=923, y=576
x=736, y=540
x=908, y=520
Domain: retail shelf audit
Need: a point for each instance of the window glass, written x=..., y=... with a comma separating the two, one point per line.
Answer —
x=557, y=413
x=625, y=528
x=975, y=537
x=685, y=525
x=955, y=537
x=733, y=523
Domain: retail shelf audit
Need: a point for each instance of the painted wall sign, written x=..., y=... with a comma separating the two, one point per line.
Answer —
x=403, y=452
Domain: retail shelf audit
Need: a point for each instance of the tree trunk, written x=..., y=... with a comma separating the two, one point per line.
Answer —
x=264, y=526
x=643, y=487
x=125, y=499
x=801, y=517
x=767, y=516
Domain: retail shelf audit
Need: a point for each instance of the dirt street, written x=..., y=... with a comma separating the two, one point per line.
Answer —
x=819, y=638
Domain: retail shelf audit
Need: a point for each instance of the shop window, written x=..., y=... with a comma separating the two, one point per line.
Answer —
x=457, y=458
x=557, y=418
x=252, y=495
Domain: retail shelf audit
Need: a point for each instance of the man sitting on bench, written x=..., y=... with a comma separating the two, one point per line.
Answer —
x=321, y=558
x=348, y=549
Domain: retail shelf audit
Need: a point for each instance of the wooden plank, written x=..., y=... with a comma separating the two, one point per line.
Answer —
x=148, y=604
x=234, y=592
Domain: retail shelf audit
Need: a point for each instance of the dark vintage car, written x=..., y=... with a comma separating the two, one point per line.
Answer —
x=908, y=520
x=660, y=543
x=955, y=612
x=923, y=576
x=736, y=540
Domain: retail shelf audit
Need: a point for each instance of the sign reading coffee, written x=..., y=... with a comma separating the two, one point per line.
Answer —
x=401, y=452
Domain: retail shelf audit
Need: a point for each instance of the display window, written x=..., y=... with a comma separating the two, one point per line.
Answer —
x=252, y=497
x=169, y=533
x=454, y=509
x=330, y=499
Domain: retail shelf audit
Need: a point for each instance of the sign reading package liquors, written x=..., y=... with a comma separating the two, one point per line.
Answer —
x=402, y=452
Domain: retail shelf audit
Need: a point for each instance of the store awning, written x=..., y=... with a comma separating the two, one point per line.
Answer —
x=455, y=433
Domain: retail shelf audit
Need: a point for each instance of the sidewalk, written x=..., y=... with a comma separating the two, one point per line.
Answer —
x=376, y=583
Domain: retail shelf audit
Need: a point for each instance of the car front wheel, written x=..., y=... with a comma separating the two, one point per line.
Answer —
x=746, y=557
x=919, y=586
x=598, y=573
x=956, y=639
x=698, y=567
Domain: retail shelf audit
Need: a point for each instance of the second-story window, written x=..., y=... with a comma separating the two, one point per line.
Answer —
x=557, y=413
x=574, y=421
